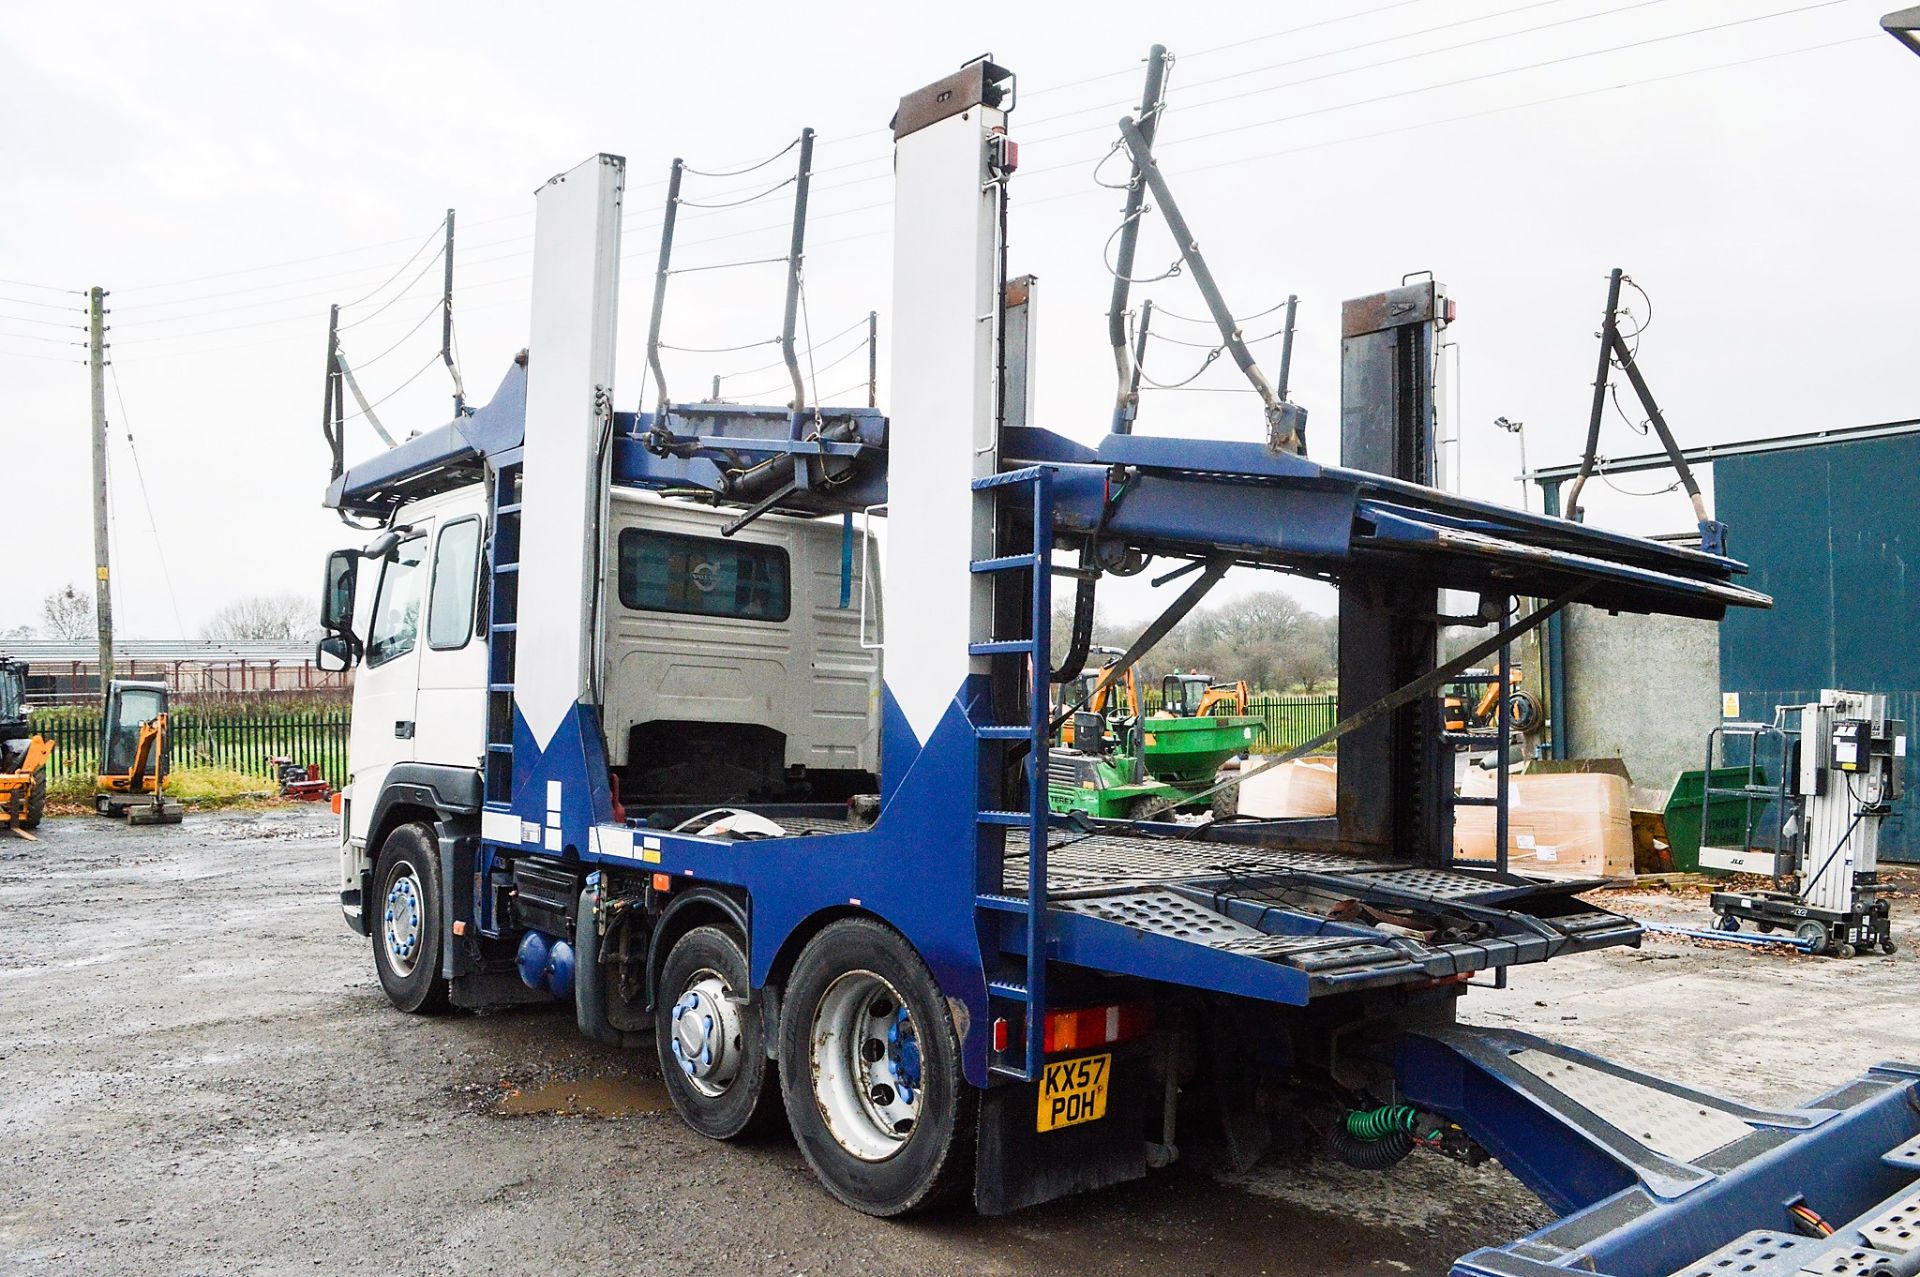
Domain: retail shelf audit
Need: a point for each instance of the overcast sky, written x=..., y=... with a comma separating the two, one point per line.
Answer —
x=230, y=170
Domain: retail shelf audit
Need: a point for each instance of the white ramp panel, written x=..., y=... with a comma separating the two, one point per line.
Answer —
x=576, y=278
x=940, y=423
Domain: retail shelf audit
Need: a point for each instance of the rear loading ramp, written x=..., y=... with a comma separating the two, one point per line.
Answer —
x=1658, y=1179
x=1290, y=926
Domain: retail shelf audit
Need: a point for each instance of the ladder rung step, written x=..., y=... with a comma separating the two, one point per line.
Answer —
x=1005, y=563
x=1003, y=989
x=1004, y=731
x=1000, y=646
x=499, y=687
x=1471, y=738
x=1012, y=1072
x=1005, y=904
x=500, y=568
x=496, y=748
x=512, y=507
x=1028, y=474
x=504, y=625
x=1470, y=800
x=988, y=817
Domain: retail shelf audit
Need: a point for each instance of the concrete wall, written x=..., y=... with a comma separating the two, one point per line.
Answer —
x=1644, y=689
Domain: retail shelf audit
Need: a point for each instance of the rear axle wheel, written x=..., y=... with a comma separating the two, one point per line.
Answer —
x=870, y=1067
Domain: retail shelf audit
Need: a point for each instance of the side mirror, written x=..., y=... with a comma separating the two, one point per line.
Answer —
x=337, y=652
x=336, y=597
x=381, y=546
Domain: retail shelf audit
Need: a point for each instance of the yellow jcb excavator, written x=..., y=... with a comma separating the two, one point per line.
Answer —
x=23, y=755
x=134, y=755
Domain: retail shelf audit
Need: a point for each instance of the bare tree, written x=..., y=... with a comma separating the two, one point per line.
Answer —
x=67, y=614
x=262, y=618
x=1268, y=638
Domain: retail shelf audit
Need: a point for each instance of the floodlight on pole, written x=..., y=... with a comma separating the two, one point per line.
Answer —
x=1519, y=429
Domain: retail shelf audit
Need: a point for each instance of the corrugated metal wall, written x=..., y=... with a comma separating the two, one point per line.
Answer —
x=1833, y=534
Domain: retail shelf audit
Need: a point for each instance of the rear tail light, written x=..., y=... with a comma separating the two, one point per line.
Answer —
x=1086, y=1027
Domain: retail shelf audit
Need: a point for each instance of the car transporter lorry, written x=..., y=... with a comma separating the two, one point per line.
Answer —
x=632, y=729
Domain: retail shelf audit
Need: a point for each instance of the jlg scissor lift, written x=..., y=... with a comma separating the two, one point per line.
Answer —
x=943, y=987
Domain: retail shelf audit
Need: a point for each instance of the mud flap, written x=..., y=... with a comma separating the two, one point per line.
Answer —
x=474, y=979
x=1017, y=1165
x=590, y=976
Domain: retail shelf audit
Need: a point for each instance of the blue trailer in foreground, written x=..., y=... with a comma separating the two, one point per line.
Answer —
x=859, y=911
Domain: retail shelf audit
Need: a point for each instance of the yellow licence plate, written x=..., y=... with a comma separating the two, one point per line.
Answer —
x=1074, y=1091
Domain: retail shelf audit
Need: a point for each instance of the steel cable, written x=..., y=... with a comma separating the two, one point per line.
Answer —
x=687, y=203
x=365, y=364
x=738, y=172
x=404, y=289
x=396, y=390
x=438, y=233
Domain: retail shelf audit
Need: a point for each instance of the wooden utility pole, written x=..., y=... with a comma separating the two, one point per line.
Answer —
x=103, y=583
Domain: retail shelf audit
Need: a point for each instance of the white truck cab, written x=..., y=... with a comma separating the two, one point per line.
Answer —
x=733, y=668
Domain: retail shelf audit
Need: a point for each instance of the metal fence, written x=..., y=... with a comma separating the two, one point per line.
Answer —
x=227, y=742
x=245, y=743
x=1292, y=719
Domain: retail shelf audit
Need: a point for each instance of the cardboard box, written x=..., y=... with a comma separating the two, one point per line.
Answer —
x=1304, y=787
x=1576, y=824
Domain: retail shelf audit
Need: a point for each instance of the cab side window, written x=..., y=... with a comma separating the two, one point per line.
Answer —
x=396, y=610
x=456, y=561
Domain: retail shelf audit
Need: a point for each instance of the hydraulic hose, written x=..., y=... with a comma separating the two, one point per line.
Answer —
x=1374, y=1139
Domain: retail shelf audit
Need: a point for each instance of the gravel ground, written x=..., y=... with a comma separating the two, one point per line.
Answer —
x=199, y=1074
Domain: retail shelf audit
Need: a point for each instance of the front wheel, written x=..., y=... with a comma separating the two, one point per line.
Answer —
x=713, y=1052
x=36, y=809
x=407, y=920
x=870, y=1069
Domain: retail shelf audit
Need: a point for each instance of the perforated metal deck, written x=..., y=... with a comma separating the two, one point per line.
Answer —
x=1342, y=920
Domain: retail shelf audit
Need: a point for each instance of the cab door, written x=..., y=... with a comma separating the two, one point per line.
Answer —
x=451, y=708
x=386, y=688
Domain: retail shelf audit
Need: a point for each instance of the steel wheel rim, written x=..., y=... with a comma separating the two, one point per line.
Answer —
x=707, y=1039
x=400, y=931
x=866, y=1063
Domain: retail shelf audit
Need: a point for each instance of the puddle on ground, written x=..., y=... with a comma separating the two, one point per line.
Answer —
x=588, y=1097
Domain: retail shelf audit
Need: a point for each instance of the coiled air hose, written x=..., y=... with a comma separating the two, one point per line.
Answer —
x=1374, y=1139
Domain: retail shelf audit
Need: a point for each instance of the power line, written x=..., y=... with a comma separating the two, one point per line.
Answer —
x=1329, y=143
x=50, y=288
x=50, y=323
x=159, y=550
x=56, y=341
x=1515, y=70
x=661, y=182
x=821, y=189
x=1110, y=104
x=28, y=301
x=51, y=359
x=296, y=261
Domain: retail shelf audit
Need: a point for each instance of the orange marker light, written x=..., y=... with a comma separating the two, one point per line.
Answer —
x=663, y=882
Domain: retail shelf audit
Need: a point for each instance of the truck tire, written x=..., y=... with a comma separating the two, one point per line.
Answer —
x=36, y=808
x=870, y=1070
x=407, y=920
x=713, y=1049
